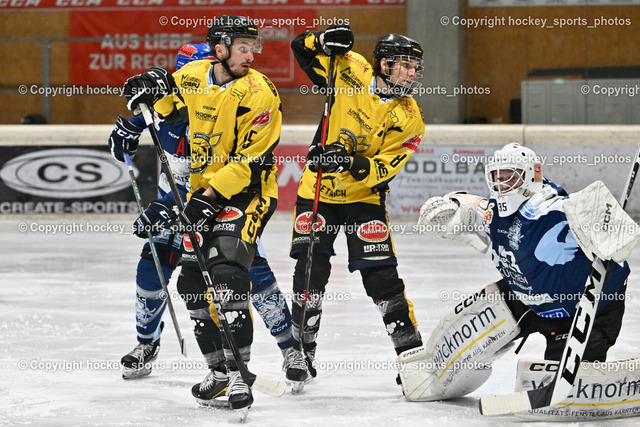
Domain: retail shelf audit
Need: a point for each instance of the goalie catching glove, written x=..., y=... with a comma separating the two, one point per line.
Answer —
x=457, y=216
x=601, y=227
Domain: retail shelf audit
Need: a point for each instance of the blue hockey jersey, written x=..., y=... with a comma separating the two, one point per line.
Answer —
x=175, y=142
x=536, y=253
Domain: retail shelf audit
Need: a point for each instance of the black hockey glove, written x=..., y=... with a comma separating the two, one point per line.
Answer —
x=148, y=88
x=199, y=209
x=334, y=158
x=338, y=40
x=124, y=139
x=157, y=216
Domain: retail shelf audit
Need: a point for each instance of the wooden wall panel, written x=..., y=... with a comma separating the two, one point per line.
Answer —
x=501, y=57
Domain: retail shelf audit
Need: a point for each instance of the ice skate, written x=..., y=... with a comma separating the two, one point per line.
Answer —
x=298, y=368
x=137, y=363
x=240, y=396
x=211, y=391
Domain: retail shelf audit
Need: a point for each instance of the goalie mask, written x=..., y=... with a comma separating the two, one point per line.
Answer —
x=191, y=52
x=225, y=29
x=514, y=175
x=403, y=65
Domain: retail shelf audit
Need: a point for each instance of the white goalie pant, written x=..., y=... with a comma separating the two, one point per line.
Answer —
x=602, y=390
x=457, y=358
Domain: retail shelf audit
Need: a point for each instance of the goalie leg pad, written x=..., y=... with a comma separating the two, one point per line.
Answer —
x=603, y=390
x=457, y=358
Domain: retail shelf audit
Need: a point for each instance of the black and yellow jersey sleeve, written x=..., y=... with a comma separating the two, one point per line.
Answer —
x=382, y=133
x=234, y=129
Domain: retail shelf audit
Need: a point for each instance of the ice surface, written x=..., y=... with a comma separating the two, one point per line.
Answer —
x=67, y=317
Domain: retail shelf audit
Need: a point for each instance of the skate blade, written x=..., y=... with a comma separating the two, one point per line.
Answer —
x=213, y=403
x=132, y=374
x=297, y=386
x=243, y=413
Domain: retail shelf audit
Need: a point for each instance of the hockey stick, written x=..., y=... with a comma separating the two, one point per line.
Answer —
x=156, y=260
x=560, y=387
x=270, y=387
x=316, y=200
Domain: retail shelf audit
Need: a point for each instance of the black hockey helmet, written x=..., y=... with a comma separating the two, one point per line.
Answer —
x=395, y=47
x=226, y=28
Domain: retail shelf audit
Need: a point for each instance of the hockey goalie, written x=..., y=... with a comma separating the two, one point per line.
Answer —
x=542, y=242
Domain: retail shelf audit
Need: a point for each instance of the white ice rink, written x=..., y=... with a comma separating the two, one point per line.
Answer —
x=67, y=317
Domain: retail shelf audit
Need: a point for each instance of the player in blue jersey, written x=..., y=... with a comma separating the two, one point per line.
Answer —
x=266, y=297
x=542, y=242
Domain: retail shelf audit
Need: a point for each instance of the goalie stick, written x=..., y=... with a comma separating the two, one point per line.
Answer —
x=560, y=387
x=269, y=387
x=156, y=260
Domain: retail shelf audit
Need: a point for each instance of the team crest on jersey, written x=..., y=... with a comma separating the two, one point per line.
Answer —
x=262, y=119
x=229, y=213
x=302, y=224
x=187, y=241
x=373, y=231
x=353, y=143
x=513, y=235
x=202, y=150
x=411, y=144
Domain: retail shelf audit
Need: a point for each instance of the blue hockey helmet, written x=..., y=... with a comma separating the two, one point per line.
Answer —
x=191, y=52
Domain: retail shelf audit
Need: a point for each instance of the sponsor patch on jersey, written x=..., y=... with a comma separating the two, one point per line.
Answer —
x=302, y=224
x=554, y=314
x=189, y=81
x=412, y=143
x=262, y=119
x=271, y=86
x=187, y=50
x=187, y=241
x=488, y=215
x=373, y=231
x=229, y=213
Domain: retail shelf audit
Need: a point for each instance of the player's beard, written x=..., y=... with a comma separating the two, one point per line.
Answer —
x=238, y=70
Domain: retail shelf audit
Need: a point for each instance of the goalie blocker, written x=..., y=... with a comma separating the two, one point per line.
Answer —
x=457, y=358
x=602, y=390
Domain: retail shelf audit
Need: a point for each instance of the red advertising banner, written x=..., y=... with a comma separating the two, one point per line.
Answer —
x=153, y=4
x=290, y=160
x=130, y=43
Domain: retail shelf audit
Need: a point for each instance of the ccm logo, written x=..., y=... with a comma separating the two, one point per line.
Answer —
x=65, y=173
x=544, y=367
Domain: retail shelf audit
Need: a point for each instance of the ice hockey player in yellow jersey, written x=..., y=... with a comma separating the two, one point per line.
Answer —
x=235, y=117
x=374, y=126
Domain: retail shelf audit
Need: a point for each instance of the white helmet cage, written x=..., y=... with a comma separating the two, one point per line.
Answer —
x=514, y=175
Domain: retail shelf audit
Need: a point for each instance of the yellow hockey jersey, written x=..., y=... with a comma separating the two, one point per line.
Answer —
x=382, y=133
x=234, y=129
